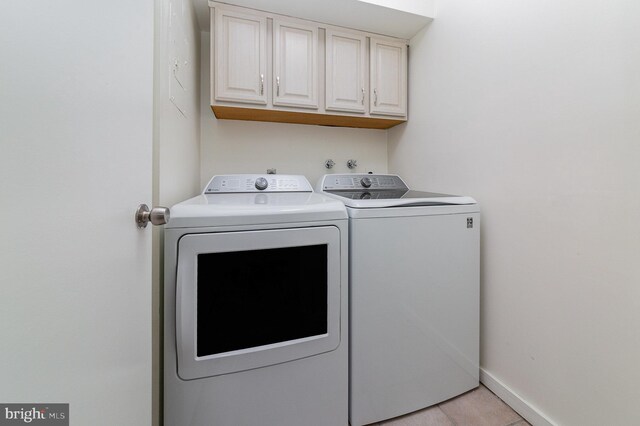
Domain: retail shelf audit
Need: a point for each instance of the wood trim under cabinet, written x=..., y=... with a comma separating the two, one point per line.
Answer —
x=254, y=114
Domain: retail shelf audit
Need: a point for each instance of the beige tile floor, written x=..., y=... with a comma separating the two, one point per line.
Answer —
x=479, y=407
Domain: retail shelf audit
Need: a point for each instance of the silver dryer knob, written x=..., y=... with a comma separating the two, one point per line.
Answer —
x=365, y=182
x=261, y=183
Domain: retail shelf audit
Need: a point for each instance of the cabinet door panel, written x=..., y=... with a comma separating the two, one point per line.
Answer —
x=295, y=80
x=240, y=53
x=345, y=79
x=388, y=78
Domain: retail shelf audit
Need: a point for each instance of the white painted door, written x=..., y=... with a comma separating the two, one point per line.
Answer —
x=346, y=69
x=75, y=161
x=240, y=57
x=295, y=77
x=388, y=77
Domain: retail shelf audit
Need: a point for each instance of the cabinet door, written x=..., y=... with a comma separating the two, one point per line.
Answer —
x=388, y=77
x=240, y=66
x=295, y=62
x=346, y=68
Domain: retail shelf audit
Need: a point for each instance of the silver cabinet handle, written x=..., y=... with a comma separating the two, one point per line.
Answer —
x=262, y=84
x=277, y=86
x=157, y=215
x=375, y=97
x=363, y=96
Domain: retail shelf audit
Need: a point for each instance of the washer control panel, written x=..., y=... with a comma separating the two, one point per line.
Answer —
x=257, y=183
x=358, y=181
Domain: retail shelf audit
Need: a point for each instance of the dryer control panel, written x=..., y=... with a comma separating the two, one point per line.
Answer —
x=257, y=183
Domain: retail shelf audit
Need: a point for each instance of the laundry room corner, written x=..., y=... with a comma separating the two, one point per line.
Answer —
x=365, y=212
x=176, y=141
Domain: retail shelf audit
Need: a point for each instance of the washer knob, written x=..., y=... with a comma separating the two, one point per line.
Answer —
x=365, y=182
x=261, y=183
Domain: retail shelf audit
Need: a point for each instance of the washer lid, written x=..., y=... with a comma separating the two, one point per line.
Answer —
x=375, y=191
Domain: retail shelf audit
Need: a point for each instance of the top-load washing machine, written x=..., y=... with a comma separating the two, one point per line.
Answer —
x=255, y=306
x=414, y=295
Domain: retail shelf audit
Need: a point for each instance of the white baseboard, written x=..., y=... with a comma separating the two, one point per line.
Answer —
x=515, y=401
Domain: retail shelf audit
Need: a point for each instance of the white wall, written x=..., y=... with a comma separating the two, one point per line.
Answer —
x=177, y=127
x=420, y=7
x=176, y=139
x=229, y=146
x=533, y=107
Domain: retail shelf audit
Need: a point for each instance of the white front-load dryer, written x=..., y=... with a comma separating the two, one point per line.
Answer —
x=414, y=261
x=255, y=306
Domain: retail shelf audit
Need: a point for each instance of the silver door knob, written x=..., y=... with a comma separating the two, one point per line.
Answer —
x=157, y=215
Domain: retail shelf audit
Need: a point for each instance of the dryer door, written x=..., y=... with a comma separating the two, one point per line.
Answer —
x=250, y=299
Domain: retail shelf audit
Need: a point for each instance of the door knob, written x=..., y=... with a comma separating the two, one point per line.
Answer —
x=157, y=215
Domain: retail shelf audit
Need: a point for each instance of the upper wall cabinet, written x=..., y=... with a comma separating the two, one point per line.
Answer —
x=346, y=71
x=268, y=67
x=241, y=58
x=388, y=77
x=295, y=79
